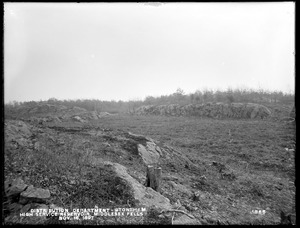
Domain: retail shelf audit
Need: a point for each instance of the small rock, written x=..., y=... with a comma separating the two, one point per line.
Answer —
x=161, y=216
x=37, y=146
x=26, y=208
x=197, y=196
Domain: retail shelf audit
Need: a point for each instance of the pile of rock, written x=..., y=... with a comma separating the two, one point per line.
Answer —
x=213, y=110
x=21, y=198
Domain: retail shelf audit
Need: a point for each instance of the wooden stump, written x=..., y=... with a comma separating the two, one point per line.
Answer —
x=153, y=177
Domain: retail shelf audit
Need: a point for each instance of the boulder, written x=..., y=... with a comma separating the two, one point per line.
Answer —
x=14, y=187
x=32, y=194
x=144, y=196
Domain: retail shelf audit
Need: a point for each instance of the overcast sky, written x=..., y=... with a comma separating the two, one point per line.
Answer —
x=122, y=51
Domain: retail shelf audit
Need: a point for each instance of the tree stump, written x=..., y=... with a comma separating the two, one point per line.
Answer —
x=153, y=177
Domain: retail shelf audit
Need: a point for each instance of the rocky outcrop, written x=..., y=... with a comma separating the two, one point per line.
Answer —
x=47, y=113
x=213, y=110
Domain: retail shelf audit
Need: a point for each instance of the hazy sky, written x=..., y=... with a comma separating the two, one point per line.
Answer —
x=121, y=51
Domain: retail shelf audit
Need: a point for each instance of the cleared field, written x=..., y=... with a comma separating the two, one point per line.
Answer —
x=259, y=170
x=220, y=171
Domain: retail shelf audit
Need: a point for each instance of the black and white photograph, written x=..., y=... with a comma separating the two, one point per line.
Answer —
x=149, y=113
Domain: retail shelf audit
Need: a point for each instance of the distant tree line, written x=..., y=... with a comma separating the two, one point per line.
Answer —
x=179, y=97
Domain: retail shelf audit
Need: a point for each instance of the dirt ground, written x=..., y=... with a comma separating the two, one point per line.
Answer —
x=234, y=166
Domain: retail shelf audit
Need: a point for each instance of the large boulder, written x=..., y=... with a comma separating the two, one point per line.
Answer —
x=144, y=196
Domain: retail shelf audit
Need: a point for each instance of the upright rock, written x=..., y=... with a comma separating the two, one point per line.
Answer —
x=143, y=195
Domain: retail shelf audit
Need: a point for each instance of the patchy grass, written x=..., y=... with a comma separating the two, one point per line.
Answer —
x=258, y=170
x=237, y=165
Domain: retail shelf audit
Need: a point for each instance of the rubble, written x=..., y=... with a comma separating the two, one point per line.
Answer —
x=22, y=198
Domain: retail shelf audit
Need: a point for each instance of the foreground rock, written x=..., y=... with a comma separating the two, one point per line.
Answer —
x=22, y=198
x=14, y=187
x=144, y=196
x=213, y=110
x=32, y=194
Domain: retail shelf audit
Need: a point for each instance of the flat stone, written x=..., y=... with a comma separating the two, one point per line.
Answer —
x=14, y=187
x=26, y=208
x=32, y=194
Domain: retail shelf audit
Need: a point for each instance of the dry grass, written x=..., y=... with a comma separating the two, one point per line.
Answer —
x=257, y=172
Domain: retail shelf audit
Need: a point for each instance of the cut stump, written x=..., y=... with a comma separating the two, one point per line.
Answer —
x=153, y=177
